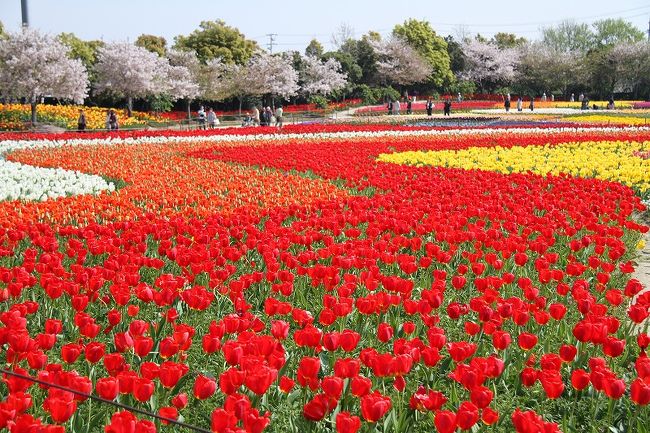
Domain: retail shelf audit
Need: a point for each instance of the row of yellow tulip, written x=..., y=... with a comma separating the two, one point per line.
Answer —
x=68, y=115
x=609, y=160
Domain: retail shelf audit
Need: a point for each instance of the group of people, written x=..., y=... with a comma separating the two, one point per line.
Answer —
x=520, y=103
x=111, y=120
x=210, y=117
x=264, y=117
x=394, y=107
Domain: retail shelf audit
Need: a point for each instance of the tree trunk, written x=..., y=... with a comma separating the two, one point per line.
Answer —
x=241, y=98
x=129, y=106
x=189, y=111
x=33, y=113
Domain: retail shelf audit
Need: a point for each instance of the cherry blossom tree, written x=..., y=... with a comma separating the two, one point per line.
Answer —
x=632, y=63
x=400, y=63
x=275, y=74
x=264, y=74
x=183, y=76
x=543, y=68
x=129, y=71
x=34, y=65
x=321, y=77
x=488, y=65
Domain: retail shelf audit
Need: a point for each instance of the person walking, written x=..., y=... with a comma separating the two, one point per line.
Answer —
x=519, y=104
x=409, y=106
x=390, y=107
x=429, y=107
x=108, y=120
x=573, y=98
x=396, y=107
x=81, y=122
x=256, y=116
x=201, y=114
x=212, y=119
x=278, y=117
x=114, y=125
x=532, y=103
x=544, y=97
x=459, y=98
x=447, y=107
x=506, y=103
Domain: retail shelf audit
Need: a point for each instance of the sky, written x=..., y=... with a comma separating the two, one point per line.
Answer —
x=296, y=22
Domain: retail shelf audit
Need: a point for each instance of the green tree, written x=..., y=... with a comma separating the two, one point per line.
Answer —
x=86, y=51
x=456, y=55
x=155, y=44
x=3, y=34
x=215, y=39
x=432, y=47
x=366, y=57
x=314, y=49
x=348, y=65
x=569, y=36
x=507, y=40
x=611, y=31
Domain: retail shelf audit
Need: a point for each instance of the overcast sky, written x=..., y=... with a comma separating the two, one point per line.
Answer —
x=297, y=22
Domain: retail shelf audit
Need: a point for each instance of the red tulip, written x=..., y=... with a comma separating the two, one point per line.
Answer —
x=568, y=352
x=346, y=423
x=223, y=421
x=445, y=421
x=60, y=405
x=467, y=415
x=332, y=386
x=481, y=396
x=286, y=384
x=384, y=332
x=280, y=329
x=259, y=379
x=168, y=412
x=180, y=401
x=374, y=406
x=204, y=387
x=360, y=386
x=317, y=407
x=640, y=392
x=107, y=388
x=489, y=416
x=579, y=379
x=122, y=422
x=143, y=389
x=70, y=352
x=526, y=340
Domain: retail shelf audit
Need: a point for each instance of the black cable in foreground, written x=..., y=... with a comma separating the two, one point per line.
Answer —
x=103, y=400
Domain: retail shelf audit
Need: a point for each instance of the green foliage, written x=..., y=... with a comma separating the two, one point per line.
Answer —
x=2, y=31
x=348, y=65
x=507, y=40
x=375, y=95
x=366, y=57
x=432, y=47
x=611, y=31
x=86, y=51
x=160, y=103
x=215, y=39
x=568, y=37
x=314, y=49
x=456, y=55
x=155, y=44
x=463, y=87
x=320, y=101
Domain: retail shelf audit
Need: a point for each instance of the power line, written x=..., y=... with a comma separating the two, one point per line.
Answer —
x=105, y=401
x=271, y=41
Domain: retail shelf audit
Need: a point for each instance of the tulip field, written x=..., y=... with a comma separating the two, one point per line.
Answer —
x=328, y=278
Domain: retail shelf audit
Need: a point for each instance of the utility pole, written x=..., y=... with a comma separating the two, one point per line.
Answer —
x=649, y=29
x=271, y=40
x=23, y=10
